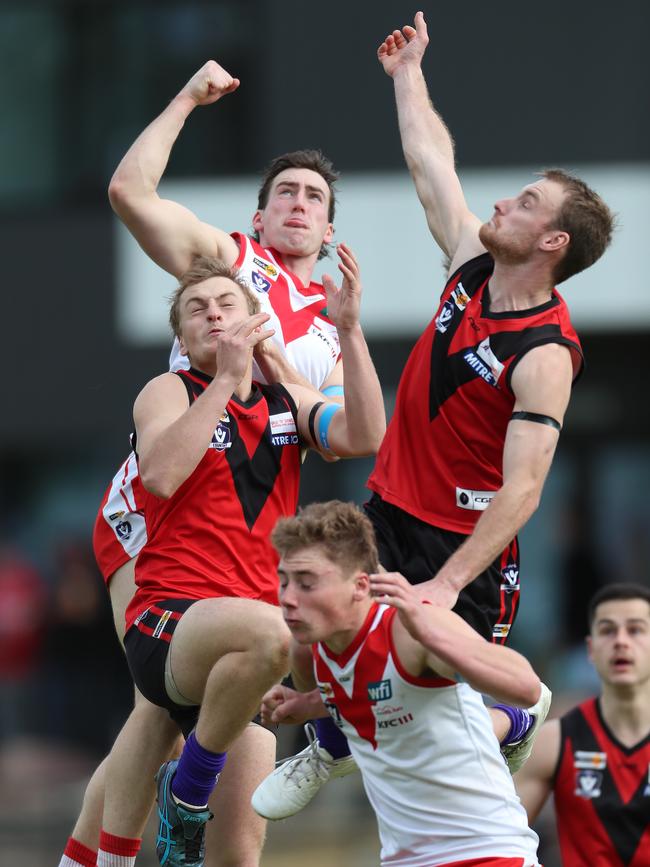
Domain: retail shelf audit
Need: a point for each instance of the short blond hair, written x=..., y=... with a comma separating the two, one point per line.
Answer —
x=203, y=268
x=341, y=529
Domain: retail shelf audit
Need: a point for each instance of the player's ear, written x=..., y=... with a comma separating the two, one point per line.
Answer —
x=258, y=221
x=329, y=233
x=181, y=347
x=361, y=586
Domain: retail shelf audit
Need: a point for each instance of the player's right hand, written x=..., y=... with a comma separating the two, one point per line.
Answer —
x=281, y=704
x=235, y=346
x=210, y=83
x=405, y=46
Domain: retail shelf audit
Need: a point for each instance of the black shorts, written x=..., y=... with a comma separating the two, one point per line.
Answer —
x=147, y=645
x=418, y=550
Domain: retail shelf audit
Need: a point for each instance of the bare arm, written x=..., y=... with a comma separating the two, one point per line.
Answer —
x=169, y=233
x=358, y=428
x=172, y=437
x=428, y=636
x=541, y=383
x=534, y=781
x=428, y=146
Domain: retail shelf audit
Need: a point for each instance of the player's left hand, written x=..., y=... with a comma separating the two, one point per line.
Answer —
x=344, y=304
x=392, y=588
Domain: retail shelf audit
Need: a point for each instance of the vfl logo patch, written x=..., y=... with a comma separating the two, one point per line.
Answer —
x=260, y=283
x=443, y=319
x=380, y=690
x=511, y=578
x=123, y=530
x=588, y=784
x=269, y=269
x=221, y=438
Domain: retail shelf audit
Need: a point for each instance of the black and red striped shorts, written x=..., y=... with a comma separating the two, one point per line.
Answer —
x=147, y=644
x=418, y=550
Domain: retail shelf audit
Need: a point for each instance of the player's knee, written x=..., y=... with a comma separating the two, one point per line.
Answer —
x=272, y=645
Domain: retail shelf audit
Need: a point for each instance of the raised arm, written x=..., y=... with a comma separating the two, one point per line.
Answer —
x=428, y=146
x=534, y=782
x=541, y=383
x=168, y=232
x=427, y=636
x=357, y=428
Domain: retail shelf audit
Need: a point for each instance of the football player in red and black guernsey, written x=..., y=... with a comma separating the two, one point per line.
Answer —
x=596, y=758
x=482, y=398
x=219, y=456
x=483, y=395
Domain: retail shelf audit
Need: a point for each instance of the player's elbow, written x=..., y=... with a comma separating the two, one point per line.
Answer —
x=121, y=194
x=530, y=689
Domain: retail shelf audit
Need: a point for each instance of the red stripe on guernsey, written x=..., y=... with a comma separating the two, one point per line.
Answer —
x=585, y=825
x=625, y=770
x=369, y=668
x=375, y=646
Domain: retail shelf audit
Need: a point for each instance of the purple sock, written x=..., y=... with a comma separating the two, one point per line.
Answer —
x=520, y=723
x=197, y=773
x=331, y=738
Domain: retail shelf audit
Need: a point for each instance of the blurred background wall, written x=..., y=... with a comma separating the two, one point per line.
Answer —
x=521, y=87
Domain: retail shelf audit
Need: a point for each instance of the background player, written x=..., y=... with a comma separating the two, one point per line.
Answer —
x=596, y=758
x=483, y=395
x=293, y=226
x=424, y=742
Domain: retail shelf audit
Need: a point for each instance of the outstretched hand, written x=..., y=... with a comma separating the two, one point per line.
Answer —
x=405, y=46
x=210, y=83
x=343, y=305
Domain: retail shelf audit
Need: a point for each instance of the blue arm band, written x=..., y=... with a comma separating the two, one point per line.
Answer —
x=323, y=424
x=332, y=391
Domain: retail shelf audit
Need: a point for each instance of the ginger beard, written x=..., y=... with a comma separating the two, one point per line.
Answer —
x=507, y=247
